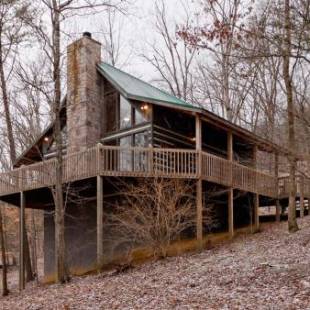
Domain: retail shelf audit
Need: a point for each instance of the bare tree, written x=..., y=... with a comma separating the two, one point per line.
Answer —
x=5, y=290
x=59, y=12
x=152, y=214
x=155, y=213
x=116, y=50
x=216, y=33
x=12, y=33
x=173, y=59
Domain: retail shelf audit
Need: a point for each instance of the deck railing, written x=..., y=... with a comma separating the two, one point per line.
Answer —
x=139, y=162
x=222, y=171
x=302, y=185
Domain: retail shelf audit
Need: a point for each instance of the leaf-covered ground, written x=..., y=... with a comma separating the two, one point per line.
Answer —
x=268, y=270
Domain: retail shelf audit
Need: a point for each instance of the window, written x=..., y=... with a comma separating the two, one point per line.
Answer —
x=125, y=113
x=142, y=113
x=125, y=154
x=142, y=139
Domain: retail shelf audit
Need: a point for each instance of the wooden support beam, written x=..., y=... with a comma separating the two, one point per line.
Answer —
x=199, y=208
x=278, y=210
x=99, y=222
x=230, y=150
x=302, y=198
x=199, y=199
x=256, y=196
x=256, y=212
x=231, y=212
x=276, y=174
x=21, y=241
x=198, y=137
x=230, y=157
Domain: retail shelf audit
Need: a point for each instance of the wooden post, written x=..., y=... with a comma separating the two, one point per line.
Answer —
x=231, y=212
x=98, y=158
x=276, y=174
x=256, y=212
x=256, y=195
x=302, y=197
x=230, y=150
x=230, y=157
x=21, y=241
x=199, y=205
x=99, y=222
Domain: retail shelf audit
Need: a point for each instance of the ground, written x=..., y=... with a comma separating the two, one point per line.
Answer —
x=267, y=270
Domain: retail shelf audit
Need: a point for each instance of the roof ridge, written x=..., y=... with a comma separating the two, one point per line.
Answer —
x=147, y=83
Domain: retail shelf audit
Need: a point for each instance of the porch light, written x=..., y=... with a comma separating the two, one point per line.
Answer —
x=145, y=107
x=193, y=139
x=46, y=139
x=126, y=119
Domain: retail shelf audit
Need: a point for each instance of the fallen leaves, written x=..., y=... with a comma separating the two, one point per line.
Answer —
x=268, y=270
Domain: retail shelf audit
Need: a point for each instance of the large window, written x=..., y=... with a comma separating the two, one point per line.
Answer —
x=125, y=113
x=125, y=154
x=142, y=139
x=142, y=113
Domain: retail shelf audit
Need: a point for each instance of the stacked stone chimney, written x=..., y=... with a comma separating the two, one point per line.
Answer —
x=84, y=94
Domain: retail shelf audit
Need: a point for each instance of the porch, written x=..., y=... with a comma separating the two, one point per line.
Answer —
x=140, y=162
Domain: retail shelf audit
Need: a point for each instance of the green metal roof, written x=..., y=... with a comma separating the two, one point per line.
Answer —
x=136, y=89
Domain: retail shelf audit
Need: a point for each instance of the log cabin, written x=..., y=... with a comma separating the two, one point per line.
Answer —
x=115, y=125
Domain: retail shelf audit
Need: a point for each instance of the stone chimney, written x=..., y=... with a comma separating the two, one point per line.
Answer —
x=83, y=94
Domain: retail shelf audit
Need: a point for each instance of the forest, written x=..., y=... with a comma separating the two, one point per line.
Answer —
x=246, y=61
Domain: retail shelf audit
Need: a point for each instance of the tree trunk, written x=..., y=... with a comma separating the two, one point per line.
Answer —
x=225, y=93
x=12, y=149
x=5, y=290
x=34, y=246
x=292, y=223
x=61, y=275
x=28, y=267
x=6, y=107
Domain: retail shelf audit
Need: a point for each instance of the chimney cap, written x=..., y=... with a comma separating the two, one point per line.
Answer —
x=87, y=34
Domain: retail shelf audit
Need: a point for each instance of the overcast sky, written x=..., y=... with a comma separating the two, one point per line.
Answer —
x=137, y=31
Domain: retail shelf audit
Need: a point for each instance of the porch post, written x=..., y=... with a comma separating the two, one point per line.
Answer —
x=230, y=189
x=99, y=222
x=21, y=241
x=256, y=212
x=199, y=206
x=276, y=174
x=256, y=195
x=302, y=197
x=231, y=212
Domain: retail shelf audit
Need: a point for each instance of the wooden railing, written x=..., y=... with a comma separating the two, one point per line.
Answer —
x=222, y=171
x=138, y=162
x=302, y=185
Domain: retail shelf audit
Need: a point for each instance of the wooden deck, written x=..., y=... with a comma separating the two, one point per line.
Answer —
x=139, y=162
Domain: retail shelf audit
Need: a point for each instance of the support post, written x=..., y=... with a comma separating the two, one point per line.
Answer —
x=230, y=157
x=99, y=222
x=199, y=204
x=199, y=228
x=276, y=174
x=256, y=212
x=230, y=153
x=256, y=195
x=21, y=241
x=302, y=198
x=231, y=212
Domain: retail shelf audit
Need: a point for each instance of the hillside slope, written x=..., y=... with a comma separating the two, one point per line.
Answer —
x=268, y=270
